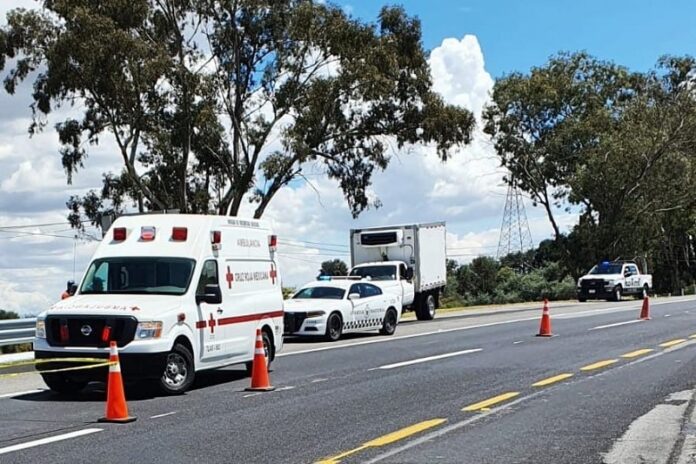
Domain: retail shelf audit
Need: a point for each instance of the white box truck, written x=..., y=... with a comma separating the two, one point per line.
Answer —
x=409, y=260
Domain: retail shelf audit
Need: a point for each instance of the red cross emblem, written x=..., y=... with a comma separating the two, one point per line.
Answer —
x=229, y=277
x=211, y=323
x=273, y=274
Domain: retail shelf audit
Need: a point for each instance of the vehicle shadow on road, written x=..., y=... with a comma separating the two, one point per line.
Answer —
x=95, y=392
x=290, y=340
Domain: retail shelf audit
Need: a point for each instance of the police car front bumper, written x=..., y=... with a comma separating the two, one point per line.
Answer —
x=297, y=323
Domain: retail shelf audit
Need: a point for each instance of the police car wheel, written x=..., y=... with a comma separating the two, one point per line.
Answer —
x=267, y=348
x=617, y=293
x=178, y=373
x=389, y=323
x=334, y=327
x=62, y=384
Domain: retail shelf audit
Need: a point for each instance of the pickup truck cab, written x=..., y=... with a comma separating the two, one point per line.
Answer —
x=392, y=277
x=611, y=280
x=178, y=293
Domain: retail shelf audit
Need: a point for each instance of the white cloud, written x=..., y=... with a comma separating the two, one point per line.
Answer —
x=466, y=191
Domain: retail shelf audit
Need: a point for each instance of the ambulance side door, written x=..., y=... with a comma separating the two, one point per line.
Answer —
x=210, y=339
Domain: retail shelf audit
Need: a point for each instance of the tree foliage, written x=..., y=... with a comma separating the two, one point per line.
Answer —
x=616, y=146
x=211, y=103
x=334, y=267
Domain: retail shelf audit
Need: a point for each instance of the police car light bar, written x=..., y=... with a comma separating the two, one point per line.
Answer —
x=119, y=234
x=179, y=234
x=147, y=234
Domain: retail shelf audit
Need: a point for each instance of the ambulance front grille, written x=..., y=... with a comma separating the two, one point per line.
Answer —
x=88, y=331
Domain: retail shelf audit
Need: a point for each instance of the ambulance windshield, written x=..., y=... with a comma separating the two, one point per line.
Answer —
x=143, y=275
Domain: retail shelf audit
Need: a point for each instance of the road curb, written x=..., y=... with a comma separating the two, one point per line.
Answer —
x=685, y=449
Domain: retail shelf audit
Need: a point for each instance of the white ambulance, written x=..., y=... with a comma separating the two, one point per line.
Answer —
x=178, y=293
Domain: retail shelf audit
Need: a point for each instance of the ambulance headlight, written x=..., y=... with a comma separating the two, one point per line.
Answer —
x=40, y=328
x=147, y=330
x=315, y=314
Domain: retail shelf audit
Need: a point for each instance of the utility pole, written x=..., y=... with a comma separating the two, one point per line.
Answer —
x=515, y=236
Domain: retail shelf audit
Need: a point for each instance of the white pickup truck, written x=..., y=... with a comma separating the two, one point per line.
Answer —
x=611, y=280
x=407, y=260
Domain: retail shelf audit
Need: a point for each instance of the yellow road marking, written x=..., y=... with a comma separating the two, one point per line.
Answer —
x=672, y=342
x=387, y=439
x=491, y=401
x=550, y=380
x=635, y=354
x=599, y=365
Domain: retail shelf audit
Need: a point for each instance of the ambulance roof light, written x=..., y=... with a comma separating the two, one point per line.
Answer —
x=119, y=234
x=216, y=237
x=273, y=242
x=179, y=234
x=147, y=233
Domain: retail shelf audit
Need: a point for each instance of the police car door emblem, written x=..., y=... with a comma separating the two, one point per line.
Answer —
x=86, y=330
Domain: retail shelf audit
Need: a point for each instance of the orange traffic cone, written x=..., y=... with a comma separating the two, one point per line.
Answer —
x=116, y=408
x=545, y=327
x=645, y=310
x=259, y=369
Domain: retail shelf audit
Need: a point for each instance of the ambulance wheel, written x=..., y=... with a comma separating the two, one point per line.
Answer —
x=179, y=372
x=334, y=327
x=62, y=384
x=268, y=350
x=389, y=323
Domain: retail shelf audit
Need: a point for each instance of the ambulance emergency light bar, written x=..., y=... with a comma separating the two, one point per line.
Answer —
x=148, y=234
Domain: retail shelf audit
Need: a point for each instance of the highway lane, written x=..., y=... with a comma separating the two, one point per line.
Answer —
x=335, y=400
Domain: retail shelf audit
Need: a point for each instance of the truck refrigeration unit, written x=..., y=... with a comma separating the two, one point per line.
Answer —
x=409, y=260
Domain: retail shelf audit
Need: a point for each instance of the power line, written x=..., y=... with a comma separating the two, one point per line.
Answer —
x=27, y=226
x=319, y=243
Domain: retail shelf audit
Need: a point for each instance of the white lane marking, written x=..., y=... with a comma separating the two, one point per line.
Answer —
x=518, y=342
x=21, y=393
x=458, y=425
x=667, y=315
x=571, y=315
x=44, y=441
x=616, y=324
x=319, y=380
x=251, y=394
x=404, y=337
x=157, y=416
x=289, y=387
x=429, y=358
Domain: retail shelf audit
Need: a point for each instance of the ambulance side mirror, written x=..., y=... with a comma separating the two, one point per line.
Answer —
x=211, y=295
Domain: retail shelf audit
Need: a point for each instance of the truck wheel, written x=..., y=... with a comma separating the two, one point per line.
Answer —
x=334, y=327
x=617, y=293
x=426, y=308
x=643, y=293
x=178, y=372
x=268, y=350
x=62, y=384
x=389, y=322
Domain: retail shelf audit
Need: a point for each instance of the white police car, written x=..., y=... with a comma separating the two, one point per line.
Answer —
x=330, y=308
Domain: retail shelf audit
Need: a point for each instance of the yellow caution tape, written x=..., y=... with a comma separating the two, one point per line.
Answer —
x=51, y=360
x=52, y=371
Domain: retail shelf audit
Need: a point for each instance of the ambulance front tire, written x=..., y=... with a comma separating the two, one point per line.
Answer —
x=267, y=348
x=59, y=383
x=179, y=372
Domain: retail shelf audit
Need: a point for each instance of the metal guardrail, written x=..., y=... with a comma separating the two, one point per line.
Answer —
x=16, y=331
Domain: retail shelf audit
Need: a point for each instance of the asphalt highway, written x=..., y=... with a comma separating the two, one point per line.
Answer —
x=474, y=389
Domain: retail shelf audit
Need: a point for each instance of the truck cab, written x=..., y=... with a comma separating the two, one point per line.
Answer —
x=611, y=280
x=178, y=293
x=393, y=277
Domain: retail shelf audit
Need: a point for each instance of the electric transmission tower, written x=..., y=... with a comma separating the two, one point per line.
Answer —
x=514, y=232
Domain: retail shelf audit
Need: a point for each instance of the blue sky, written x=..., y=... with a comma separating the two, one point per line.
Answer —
x=516, y=35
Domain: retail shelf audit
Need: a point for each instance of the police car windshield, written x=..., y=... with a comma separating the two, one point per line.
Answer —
x=160, y=276
x=607, y=268
x=329, y=293
x=375, y=272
